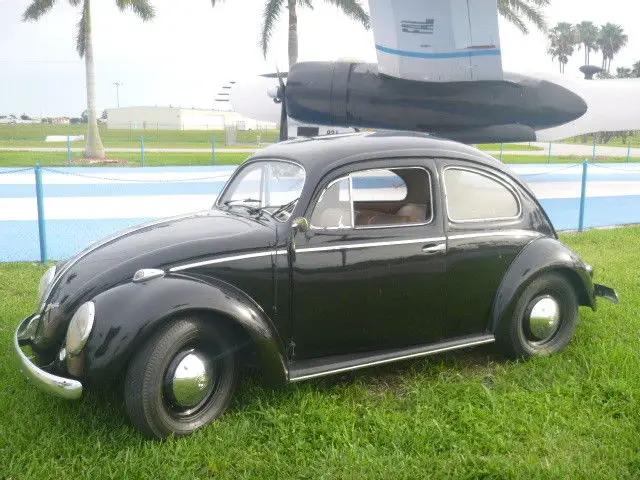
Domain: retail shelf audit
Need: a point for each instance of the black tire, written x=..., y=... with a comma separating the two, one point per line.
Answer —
x=515, y=334
x=146, y=392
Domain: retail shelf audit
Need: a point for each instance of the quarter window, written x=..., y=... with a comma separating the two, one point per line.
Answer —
x=376, y=198
x=472, y=196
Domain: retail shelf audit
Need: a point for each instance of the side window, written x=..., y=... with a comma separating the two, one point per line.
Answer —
x=333, y=209
x=376, y=198
x=472, y=196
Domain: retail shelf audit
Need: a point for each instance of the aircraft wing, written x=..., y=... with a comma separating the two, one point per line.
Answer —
x=437, y=40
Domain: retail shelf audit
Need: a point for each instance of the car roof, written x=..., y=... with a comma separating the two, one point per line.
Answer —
x=318, y=153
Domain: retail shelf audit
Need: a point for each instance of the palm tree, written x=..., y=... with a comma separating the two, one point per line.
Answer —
x=273, y=8
x=562, y=41
x=611, y=40
x=515, y=11
x=84, y=45
x=623, y=72
x=587, y=33
x=519, y=11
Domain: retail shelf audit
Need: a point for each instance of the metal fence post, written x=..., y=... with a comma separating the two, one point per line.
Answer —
x=593, y=155
x=501, y=150
x=549, y=158
x=142, y=151
x=42, y=234
x=68, y=151
x=628, y=150
x=583, y=194
x=213, y=150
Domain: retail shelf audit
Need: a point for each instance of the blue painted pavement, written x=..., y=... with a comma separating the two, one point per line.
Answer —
x=83, y=205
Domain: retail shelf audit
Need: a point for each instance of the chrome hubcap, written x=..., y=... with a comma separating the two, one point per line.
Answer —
x=190, y=382
x=544, y=318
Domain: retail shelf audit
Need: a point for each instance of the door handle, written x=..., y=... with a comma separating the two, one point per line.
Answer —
x=434, y=247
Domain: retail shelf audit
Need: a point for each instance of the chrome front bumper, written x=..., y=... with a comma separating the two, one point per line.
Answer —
x=59, y=386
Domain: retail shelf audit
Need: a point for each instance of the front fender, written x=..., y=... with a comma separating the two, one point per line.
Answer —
x=128, y=314
x=542, y=255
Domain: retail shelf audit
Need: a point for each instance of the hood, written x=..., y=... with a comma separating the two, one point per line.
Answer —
x=161, y=244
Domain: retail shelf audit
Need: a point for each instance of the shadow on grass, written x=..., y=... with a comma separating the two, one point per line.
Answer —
x=100, y=415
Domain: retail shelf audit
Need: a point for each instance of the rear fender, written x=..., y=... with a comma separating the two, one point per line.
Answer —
x=541, y=256
x=128, y=314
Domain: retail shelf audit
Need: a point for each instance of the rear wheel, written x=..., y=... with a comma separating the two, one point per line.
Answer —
x=183, y=378
x=544, y=318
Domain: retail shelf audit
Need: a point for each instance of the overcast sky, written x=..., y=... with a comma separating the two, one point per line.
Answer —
x=186, y=54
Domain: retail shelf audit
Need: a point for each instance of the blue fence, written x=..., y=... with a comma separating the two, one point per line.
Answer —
x=52, y=213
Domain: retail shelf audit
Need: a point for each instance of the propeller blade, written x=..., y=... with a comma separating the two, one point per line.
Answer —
x=284, y=119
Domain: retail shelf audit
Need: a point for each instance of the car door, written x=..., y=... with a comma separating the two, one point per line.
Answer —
x=488, y=222
x=369, y=273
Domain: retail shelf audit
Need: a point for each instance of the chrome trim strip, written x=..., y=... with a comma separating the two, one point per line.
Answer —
x=484, y=339
x=490, y=176
x=59, y=386
x=497, y=233
x=353, y=210
x=346, y=246
x=97, y=245
x=213, y=261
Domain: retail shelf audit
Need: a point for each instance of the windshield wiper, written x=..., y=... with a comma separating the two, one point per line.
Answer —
x=229, y=203
x=286, y=206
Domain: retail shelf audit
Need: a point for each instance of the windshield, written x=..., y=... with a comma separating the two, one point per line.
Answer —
x=271, y=185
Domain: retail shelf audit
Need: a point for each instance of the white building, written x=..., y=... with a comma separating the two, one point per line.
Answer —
x=172, y=118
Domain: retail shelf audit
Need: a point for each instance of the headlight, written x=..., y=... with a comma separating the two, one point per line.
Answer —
x=45, y=281
x=80, y=328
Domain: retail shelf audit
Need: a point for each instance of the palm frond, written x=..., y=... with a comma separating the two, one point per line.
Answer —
x=514, y=10
x=75, y=3
x=354, y=10
x=141, y=7
x=305, y=3
x=513, y=18
x=37, y=9
x=83, y=28
x=271, y=14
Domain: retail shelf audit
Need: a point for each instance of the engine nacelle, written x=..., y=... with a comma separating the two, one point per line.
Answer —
x=356, y=95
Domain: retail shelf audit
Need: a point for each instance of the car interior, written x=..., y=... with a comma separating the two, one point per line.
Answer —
x=381, y=197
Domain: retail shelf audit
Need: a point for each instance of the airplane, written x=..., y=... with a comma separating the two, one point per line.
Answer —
x=439, y=71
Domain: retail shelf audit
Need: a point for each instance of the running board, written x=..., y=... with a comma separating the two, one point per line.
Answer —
x=318, y=367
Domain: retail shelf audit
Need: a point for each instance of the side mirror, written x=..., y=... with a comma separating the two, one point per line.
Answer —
x=301, y=224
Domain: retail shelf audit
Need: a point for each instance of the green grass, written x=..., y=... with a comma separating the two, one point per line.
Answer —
x=468, y=415
x=29, y=159
x=34, y=136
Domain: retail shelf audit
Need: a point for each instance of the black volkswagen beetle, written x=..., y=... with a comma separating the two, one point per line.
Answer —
x=320, y=256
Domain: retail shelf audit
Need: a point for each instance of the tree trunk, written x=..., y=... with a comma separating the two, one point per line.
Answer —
x=293, y=33
x=94, y=148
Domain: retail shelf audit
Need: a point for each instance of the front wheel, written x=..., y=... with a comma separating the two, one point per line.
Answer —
x=544, y=318
x=182, y=379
